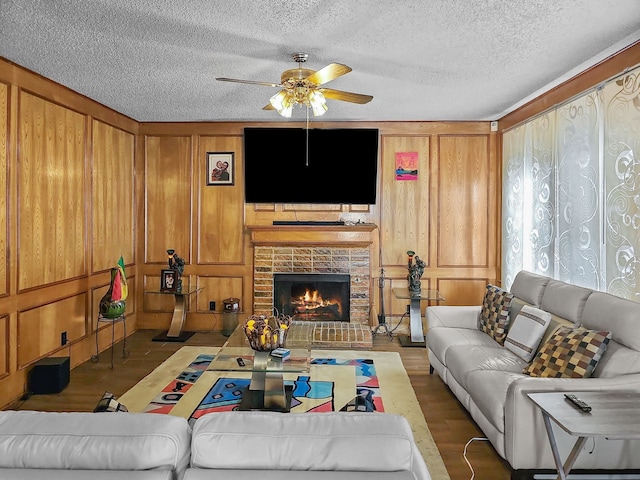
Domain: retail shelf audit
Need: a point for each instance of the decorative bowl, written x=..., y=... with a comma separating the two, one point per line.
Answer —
x=266, y=333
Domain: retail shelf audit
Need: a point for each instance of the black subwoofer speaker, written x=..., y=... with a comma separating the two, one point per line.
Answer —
x=49, y=375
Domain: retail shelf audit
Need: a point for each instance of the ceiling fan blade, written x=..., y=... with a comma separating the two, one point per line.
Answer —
x=328, y=73
x=345, y=96
x=266, y=84
x=268, y=106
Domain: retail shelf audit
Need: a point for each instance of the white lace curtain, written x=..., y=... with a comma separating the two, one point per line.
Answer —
x=571, y=191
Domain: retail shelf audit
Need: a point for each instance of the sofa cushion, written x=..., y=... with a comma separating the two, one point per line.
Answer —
x=93, y=441
x=489, y=389
x=440, y=339
x=462, y=360
x=529, y=287
x=209, y=474
x=457, y=316
x=526, y=332
x=572, y=353
x=565, y=300
x=621, y=317
x=494, y=315
x=40, y=474
x=305, y=441
x=556, y=322
x=603, y=311
x=619, y=360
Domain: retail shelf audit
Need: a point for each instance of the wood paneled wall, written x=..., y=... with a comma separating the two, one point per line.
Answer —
x=204, y=224
x=51, y=193
x=67, y=167
x=448, y=216
x=112, y=195
x=221, y=207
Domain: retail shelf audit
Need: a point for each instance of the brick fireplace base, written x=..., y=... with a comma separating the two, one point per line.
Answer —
x=353, y=261
x=338, y=335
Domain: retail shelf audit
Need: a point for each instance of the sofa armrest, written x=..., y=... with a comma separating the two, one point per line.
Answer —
x=453, y=316
x=525, y=437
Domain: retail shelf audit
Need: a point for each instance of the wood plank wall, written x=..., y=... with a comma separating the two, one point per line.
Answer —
x=448, y=216
x=85, y=184
x=67, y=167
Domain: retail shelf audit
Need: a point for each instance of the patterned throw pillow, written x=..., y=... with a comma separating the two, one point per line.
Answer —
x=108, y=403
x=526, y=332
x=494, y=315
x=570, y=352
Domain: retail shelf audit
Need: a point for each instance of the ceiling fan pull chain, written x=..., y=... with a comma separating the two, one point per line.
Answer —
x=306, y=160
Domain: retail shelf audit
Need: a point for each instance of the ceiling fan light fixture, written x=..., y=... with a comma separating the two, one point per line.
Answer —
x=303, y=87
x=317, y=102
x=282, y=102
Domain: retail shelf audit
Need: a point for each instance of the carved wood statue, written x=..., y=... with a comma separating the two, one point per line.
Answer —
x=176, y=263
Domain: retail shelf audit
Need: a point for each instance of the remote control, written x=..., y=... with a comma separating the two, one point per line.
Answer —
x=577, y=402
x=240, y=361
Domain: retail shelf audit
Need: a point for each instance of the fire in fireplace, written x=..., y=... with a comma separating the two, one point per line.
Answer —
x=312, y=296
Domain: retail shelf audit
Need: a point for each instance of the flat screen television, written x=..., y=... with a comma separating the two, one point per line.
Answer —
x=339, y=167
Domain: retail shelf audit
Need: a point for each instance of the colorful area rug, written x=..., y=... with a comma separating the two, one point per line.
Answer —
x=347, y=380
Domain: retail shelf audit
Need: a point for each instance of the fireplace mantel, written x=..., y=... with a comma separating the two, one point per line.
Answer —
x=360, y=234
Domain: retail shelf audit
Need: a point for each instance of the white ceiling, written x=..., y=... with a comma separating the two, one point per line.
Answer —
x=157, y=60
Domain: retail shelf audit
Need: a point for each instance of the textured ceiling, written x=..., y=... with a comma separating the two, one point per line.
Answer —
x=157, y=60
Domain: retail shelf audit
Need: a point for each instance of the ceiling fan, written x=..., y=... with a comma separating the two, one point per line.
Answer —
x=301, y=86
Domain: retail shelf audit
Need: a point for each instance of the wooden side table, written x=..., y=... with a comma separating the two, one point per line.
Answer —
x=416, y=339
x=613, y=415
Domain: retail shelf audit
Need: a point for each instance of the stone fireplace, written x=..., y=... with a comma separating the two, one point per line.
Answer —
x=314, y=250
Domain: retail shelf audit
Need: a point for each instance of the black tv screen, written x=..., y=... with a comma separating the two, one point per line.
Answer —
x=339, y=167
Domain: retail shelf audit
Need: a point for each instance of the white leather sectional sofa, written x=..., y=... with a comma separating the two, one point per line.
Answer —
x=488, y=379
x=228, y=445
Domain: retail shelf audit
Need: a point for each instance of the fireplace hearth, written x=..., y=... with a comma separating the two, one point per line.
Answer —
x=312, y=296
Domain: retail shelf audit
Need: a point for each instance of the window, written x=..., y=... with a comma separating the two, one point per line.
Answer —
x=571, y=191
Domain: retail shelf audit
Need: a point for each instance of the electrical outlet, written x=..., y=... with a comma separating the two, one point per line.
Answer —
x=63, y=338
x=408, y=309
x=212, y=305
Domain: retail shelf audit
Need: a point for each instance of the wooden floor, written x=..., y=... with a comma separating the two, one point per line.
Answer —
x=448, y=421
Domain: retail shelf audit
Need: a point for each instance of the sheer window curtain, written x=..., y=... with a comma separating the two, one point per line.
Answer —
x=621, y=154
x=579, y=238
x=571, y=191
x=529, y=199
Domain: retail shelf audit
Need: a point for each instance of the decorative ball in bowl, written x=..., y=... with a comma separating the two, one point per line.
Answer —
x=266, y=333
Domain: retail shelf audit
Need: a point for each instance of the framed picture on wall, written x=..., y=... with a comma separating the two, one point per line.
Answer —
x=220, y=168
x=406, y=165
x=168, y=280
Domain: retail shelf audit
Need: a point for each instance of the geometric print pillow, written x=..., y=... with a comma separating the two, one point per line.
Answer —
x=108, y=403
x=494, y=315
x=569, y=353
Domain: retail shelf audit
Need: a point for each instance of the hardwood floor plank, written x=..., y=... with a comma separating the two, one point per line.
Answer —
x=449, y=423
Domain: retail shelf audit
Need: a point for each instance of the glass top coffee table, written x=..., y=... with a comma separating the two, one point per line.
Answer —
x=267, y=390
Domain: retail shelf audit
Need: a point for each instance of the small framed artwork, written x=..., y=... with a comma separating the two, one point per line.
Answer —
x=406, y=165
x=168, y=280
x=220, y=168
